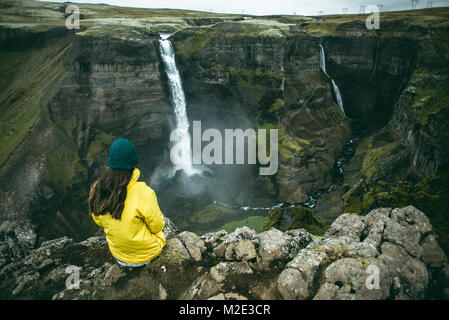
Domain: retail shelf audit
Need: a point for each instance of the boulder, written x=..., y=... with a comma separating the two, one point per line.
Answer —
x=346, y=279
x=195, y=246
x=242, y=250
x=223, y=270
x=347, y=224
x=275, y=245
x=176, y=249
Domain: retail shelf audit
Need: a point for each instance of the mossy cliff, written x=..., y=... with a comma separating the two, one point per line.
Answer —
x=407, y=160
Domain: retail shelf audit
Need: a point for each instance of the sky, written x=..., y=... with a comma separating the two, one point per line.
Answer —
x=265, y=7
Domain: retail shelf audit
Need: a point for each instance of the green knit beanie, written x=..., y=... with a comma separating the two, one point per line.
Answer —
x=122, y=154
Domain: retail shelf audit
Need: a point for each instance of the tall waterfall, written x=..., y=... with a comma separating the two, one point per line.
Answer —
x=179, y=105
x=334, y=85
x=338, y=96
x=323, y=61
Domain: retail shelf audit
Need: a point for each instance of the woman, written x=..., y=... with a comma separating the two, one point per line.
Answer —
x=127, y=209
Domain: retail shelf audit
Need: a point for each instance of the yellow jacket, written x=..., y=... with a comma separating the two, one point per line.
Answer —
x=137, y=237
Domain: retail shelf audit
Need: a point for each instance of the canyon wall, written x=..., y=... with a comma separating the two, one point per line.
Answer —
x=66, y=95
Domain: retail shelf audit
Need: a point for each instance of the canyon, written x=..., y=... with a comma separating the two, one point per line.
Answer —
x=67, y=94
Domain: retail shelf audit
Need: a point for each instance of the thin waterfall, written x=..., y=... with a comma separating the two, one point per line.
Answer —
x=334, y=85
x=323, y=61
x=338, y=96
x=179, y=104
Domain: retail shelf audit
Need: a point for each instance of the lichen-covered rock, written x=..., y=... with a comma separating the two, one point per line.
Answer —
x=346, y=279
x=392, y=244
x=170, y=229
x=203, y=288
x=228, y=296
x=274, y=245
x=212, y=239
x=114, y=273
x=349, y=225
x=241, y=250
x=297, y=280
x=223, y=244
x=432, y=255
x=240, y=234
x=177, y=249
x=16, y=240
x=301, y=236
x=387, y=254
x=222, y=270
x=412, y=272
x=193, y=243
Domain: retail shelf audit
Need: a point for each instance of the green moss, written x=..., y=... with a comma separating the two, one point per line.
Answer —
x=364, y=263
x=70, y=125
x=277, y=106
x=352, y=204
x=211, y=213
x=368, y=199
x=61, y=165
x=369, y=167
x=289, y=147
x=192, y=48
x=293, y=218
x=254, y=79
x=254, y=222
x=100, y=144
x=315, y=230
x=430, y=98
x=322, y=28
x=28, y=84
x=352, y=199
x=430, y=195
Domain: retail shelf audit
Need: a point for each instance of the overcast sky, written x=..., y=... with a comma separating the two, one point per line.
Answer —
x=262, y=7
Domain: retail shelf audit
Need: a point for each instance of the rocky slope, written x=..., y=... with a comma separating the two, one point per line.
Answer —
x=245, y=265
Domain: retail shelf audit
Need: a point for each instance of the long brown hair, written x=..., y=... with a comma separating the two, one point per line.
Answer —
x=108, y=192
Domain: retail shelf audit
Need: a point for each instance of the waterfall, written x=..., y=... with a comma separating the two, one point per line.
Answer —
x=179, y=105
x=323, y=61
x=334, y=85
x=338, y=96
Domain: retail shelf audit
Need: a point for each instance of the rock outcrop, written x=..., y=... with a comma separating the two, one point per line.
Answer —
x=387, y=254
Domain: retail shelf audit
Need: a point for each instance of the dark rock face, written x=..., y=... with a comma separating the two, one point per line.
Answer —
x=425, y=135
x=274, y=81
x=293, y=218
x=371, y=72
x=118, y=86
x=406, y=161
x=97, y=86
x=397, y=243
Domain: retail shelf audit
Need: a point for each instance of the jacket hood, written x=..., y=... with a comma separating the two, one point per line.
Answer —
x=134, y=178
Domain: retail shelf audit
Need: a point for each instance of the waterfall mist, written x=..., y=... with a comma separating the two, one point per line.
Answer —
x=179, y=106
x=185, y=188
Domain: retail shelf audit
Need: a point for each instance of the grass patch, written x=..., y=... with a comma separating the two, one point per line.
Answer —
x=254, y=222
x=211, y=213
x=25, y=86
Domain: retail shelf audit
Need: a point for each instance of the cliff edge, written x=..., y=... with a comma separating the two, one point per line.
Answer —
x=398, y=246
